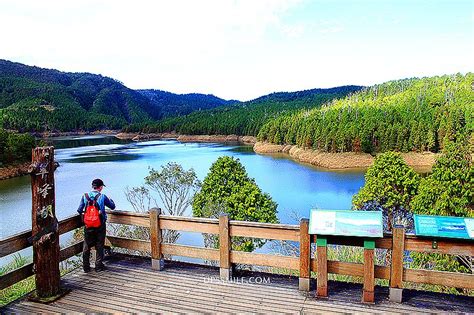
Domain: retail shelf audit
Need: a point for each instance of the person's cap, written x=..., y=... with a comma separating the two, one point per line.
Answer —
x=96, y=183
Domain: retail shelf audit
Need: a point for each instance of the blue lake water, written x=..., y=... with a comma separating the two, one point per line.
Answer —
x=294, y=186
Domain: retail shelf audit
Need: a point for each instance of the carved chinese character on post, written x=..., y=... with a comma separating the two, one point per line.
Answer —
x=45, y=236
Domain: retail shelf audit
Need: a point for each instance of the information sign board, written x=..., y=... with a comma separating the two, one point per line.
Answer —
x=448, y=227
x=346, y=223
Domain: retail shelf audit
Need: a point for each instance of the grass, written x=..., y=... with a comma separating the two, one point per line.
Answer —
x=27, y=285
x=20, y=288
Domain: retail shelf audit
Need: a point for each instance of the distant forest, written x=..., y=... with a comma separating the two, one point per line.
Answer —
x=245, y=118
x=37, y=99
x=172, y=104
x=404, y=115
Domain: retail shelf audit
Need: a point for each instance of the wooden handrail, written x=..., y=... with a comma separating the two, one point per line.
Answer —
x=443, y=246
x=127, y=213
x=26, y=271
x=255, y=230
x=19, y=241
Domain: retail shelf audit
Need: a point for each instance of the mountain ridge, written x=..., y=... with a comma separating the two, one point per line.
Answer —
x=37, y=99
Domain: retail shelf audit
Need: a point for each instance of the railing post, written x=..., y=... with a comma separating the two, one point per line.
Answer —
x=224, y=248
x=305, y=256
x=396, y=267
x=157, y=262
x=322, y=259
x=369, y=272
x=45, y=236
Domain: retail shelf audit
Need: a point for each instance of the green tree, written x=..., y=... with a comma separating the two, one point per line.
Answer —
x=449, y=189
x=391, y=184
x=228, y=189
x=15, y=148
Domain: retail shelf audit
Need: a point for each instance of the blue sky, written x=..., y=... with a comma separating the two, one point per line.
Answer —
x=242, y=49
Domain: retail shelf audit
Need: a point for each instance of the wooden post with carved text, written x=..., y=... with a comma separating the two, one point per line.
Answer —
x=45, y=236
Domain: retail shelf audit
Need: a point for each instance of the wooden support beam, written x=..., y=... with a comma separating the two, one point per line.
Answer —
x=369, y=272
x=446, y=278
x=132, y=244
x=224, y=247
x=269, y=260
x=26, y=271
x=14, y=243
x=19, y=241
x=264, y=232
x=157, y=262
x=71, y=250
x=45, y=228
x=396, y=267
x=16, y=275
x=445, y=246
x=322, y=258
x=190, y=251
x=128, y=218
x=188, y=226
x=305, y=256
x=69, y=224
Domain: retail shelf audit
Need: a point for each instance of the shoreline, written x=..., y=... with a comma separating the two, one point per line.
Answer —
x=187, y=138
x=45, y=135
x=332, y=161
x=340, y=161
x=16, y=170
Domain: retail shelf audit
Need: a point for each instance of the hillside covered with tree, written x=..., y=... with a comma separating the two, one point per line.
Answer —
x=245, y=118
x=172, y=104
x=403, y=115
x=38, y=99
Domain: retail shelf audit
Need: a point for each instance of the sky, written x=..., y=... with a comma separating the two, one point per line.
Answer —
x=241, y=49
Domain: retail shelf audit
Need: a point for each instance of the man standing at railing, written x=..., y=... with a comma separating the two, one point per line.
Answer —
x=92, y=210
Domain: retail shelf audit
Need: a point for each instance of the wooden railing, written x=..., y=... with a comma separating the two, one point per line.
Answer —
x=225, y=229
x=19, y=242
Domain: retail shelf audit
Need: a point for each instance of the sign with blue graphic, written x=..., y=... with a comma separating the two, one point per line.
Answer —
x=448, y=227
x=346, y=223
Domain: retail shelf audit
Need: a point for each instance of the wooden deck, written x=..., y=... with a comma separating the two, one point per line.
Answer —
x=131, y=286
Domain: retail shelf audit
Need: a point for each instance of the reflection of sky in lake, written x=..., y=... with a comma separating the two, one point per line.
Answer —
x=295, y=187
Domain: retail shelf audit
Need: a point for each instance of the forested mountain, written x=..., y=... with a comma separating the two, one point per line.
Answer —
x=245, y=118
x=37, y=99
x=403, y=115
x=172, y=104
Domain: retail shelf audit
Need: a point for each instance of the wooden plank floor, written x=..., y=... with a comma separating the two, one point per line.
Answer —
x=130, y=286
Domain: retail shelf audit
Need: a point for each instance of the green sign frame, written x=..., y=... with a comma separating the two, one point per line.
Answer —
x=444, y=227
x=346, y=223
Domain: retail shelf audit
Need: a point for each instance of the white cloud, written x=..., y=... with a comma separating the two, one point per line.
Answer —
x=234, y=49
x=144, y=43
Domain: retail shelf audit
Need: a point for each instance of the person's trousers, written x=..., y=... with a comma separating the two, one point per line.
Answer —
x=94, y=237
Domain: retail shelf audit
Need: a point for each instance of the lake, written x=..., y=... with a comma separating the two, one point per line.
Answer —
x=294, y=186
